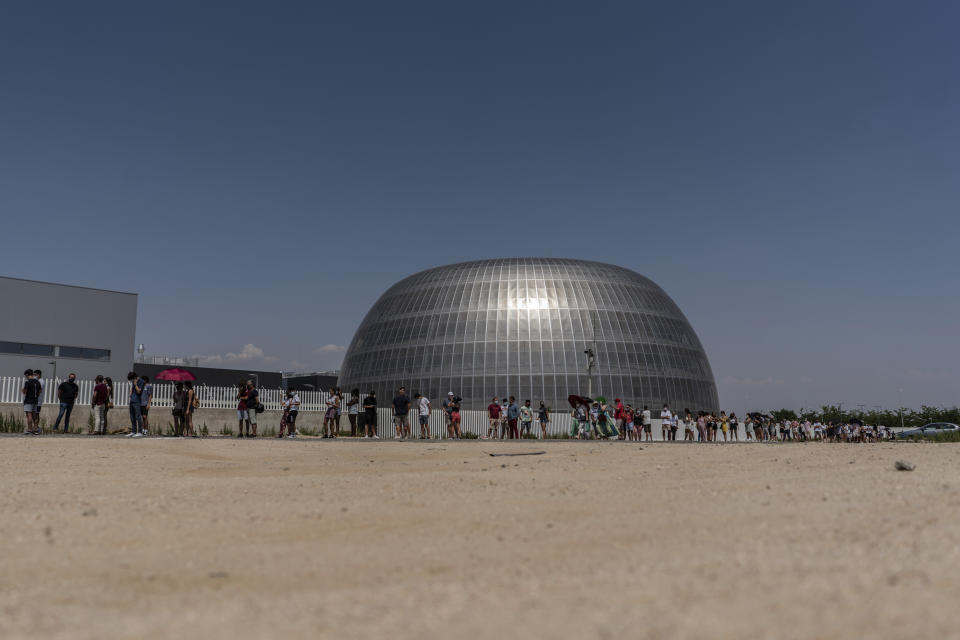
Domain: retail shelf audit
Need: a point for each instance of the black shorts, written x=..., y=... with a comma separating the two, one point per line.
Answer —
x=144, y=410
x=292, y=417
x=370, y=419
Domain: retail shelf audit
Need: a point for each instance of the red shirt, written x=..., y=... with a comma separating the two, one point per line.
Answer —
x=618, y=414
x=493, y=410
x=101, y=394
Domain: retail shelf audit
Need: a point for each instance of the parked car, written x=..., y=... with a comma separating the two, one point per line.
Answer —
x=929, y=430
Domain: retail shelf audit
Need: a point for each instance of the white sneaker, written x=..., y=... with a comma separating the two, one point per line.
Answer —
x=131, y=434
x=138, y=435
x=376, y=437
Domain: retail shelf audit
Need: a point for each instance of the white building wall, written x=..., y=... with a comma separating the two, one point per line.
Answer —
x=55, y=314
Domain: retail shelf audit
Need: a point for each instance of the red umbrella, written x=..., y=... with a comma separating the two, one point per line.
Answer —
x=175, y=375
x=576, y=400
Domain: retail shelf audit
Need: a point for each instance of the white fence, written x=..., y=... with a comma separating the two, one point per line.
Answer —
x=210, y=397
x=311, y=403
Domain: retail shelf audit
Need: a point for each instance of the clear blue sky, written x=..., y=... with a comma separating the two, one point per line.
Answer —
x=260, y=172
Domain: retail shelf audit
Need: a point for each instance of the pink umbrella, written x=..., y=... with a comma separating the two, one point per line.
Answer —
x=175, y=375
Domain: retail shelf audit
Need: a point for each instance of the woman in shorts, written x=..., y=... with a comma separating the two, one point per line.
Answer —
x=353, y=410
x=543, y=415
x=330, y=417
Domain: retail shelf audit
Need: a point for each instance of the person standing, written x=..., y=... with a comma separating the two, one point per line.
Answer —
x=330, y=416
x=423, y=410
x=67, y=394
x=513, y=414
x=647, y=424
x=293, y=410
x=243, y=413
x=179, y=400
x=370, y=415
x=98, y=402
x=618, y=417
x=133, y=404
x=526, y=418
x=401, y=407
x=146, y=398
x=38, y=376
x=504, y=425
x=339, y=410
x=191, y=404
x=451, y=409
x=493, y=414
x=106, y=410
x=31, y=395
x=666, y=420
x=353, y=410
x=734, y=427
x=543, y=415
x=253, y=401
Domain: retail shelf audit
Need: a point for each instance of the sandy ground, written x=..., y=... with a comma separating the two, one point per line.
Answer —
x=304, y=539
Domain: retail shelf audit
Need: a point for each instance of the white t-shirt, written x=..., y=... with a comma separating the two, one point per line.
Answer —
x=354, y=409
x=42, y=386
x=666, y=416
x=424, y=406
x=646, y=416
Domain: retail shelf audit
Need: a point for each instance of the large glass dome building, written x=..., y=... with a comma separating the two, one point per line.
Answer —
x=520, y=326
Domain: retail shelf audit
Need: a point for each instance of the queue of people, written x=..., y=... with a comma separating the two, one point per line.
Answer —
x=507, y=418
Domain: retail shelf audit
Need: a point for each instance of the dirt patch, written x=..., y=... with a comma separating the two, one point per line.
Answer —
x=155, y=539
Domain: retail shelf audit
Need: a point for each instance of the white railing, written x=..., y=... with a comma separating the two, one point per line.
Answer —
x=210, y=397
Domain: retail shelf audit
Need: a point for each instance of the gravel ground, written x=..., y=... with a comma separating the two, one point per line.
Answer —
x=110, y=538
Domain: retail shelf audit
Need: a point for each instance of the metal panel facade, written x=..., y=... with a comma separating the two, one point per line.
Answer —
x=81, y=322
x=520, y=326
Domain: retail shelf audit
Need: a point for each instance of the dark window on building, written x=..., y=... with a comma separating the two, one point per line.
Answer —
x=37, y=349
x=85, y=353
x=9, y=347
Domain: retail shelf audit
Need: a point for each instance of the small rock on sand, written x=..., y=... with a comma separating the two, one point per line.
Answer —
x=904, y=465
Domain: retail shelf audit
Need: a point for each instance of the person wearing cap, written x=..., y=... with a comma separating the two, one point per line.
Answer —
x=618, y=416
x=424, y=408
x=451, y=406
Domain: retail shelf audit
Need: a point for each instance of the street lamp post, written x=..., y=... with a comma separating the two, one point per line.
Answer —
x=591, y=363
x=54, y=363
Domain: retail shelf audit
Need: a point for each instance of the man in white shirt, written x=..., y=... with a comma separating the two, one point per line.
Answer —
x=424, y=408
x=666, y=419
x=647, y=424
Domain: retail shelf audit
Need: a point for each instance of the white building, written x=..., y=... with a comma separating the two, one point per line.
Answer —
x=84, y=331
